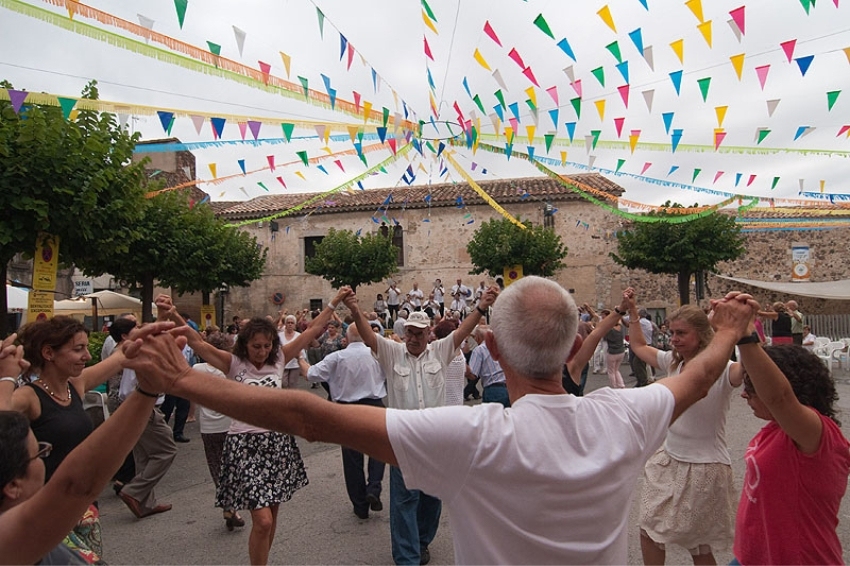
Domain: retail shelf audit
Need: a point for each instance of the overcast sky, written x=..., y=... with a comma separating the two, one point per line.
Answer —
x=37, y=55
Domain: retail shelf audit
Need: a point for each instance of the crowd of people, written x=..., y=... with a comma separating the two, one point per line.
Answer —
x=398, y=371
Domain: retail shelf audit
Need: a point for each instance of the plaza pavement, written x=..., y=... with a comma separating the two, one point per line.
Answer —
x=318, y=526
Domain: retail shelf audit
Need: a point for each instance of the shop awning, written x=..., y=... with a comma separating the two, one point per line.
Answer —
x=834, y=290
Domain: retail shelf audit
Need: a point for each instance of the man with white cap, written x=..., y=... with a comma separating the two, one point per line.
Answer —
x=416, y=379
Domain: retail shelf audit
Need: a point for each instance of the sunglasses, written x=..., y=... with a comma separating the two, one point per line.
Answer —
x=44, y=449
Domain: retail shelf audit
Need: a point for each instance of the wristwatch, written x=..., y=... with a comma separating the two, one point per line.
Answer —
x=751, y=339
x=619, y=312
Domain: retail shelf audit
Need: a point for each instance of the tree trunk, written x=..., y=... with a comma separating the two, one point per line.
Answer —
x=684, y=280
x=147, y=297
x=4, y=305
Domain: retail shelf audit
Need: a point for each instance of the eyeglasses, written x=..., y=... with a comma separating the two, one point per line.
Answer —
x=44, y=450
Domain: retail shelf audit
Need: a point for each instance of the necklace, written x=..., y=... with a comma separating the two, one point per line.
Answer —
x=54, y=395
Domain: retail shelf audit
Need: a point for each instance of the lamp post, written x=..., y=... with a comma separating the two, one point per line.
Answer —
x=223, y=290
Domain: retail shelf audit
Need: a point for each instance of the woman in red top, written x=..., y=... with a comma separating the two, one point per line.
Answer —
x=797, y=465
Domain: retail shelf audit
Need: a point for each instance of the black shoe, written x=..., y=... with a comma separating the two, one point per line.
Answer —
x=424, y=555
x=375, y=502
x=362, y=514
x=181, y=438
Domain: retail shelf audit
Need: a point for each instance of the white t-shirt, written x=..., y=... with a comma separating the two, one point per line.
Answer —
x=209, y=421
x=699, y=434
x=547, y=481
x=244, y=371
x=293, y=363
x=415, y=296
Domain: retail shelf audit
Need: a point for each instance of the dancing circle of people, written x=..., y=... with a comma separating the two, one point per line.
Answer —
x=577, y=457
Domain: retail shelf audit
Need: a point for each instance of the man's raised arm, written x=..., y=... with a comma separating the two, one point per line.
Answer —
x=161, y=367
x=363, y=326
x=472, y=319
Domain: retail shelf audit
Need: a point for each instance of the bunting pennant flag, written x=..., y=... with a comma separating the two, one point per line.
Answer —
x=646, y=166
x=734, y=27
x=540, y=22
x=696, y=174
x=17, y=98
x=637, y=38
x=530, y=76
x=552, y=91
x=831, y=97
x=304, y=159
x=67, y=105
x=287, y=62
x=241, y=163
x=624, y=94
x=254, y=126
x=243, y=128
x=614, y=49
x=180, y=6
x=532, y=95
x=717, y=176
x=321, y=18
x=695, y=6
x=844, y=129
x=549, y=138
x=620, y=163
x=571, y=130
x=343, y=46
x=322, y=169
x=240, y=39
x=719, y=136
x=265, y=188
x=738, y=16
x=215, y=48
x=750, y=180
x=480, y=59
x=497, y=76
x=553, y=115
x=599, y=73
x=577, y=87
x=678, y=47
x=675, y=139
x=672, y=170
x=576, y=104
x=703, y=87
x=738, y=178
x=648, y=57
x=600, y=108
x=738, y=64
x=427, y=48
x=270, y=159
x=265, y=69
x=624, y=70
x=217, y=125
x=668, y=121
x=287, y=130
x=564, y=46
x=198, y=122
x=165, y=118
x=516, y=57
x=618, y=124
x=605, y=14
x=212, y=167
x=762, y=74
x=488, y=29
x=705, y=29
x=676, y=77
x=429, y=22
x=648, y=95
x=774, y=183
x=804, y=63
x=570, y=72
x=788, y=48
x=720, y=112
x=634, y=136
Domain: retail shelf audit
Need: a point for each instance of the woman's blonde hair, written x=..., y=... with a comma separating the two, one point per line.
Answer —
x=694, y=317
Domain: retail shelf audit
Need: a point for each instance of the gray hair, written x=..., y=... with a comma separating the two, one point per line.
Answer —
x=289, y=317
x=534, y=325
x=352, y=334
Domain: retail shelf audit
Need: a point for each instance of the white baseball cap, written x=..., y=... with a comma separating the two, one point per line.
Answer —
x=418, y=319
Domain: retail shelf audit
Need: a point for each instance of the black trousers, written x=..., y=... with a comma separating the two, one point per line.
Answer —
x=357, y=483
x=182, y=405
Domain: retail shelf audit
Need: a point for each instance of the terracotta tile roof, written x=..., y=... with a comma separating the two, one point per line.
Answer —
x=443, y=195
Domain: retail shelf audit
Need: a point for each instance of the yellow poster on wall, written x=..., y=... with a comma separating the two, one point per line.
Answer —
x=512, y=273
x=45, y=262
x=40, y=305
x=207, y=316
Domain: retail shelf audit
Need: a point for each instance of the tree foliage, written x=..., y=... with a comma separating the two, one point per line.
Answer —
x=71, y=178
x=499, y=243
x=344, y=258
x=680, y=249
x=183, y=247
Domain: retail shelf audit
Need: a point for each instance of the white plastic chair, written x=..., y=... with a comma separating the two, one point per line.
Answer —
x=831, y=349
x=821, y=342
x=97, y=399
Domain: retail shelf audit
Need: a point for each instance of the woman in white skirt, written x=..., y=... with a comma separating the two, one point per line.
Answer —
x=688, y=496
x=260, y=468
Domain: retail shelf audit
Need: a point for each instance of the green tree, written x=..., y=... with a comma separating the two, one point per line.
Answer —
x=680, y=249
x=73, y=179
x=500, y=243
x=183, y=247
x=345, y=258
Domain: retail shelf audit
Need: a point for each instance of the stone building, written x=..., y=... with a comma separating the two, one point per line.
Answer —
x=433, y=232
